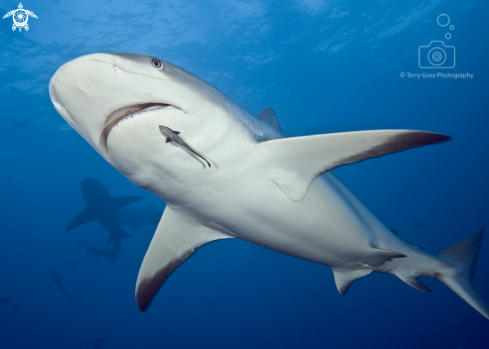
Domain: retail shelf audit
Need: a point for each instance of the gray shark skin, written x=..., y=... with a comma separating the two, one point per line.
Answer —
x=173, y=136
x=269, y=190
x=57, y=281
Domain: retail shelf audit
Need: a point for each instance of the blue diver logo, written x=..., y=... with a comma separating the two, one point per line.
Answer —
x=436, y=55
x=20, y=17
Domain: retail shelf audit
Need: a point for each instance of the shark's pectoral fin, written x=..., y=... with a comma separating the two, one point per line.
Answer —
x=124, y=201
x=176, y=238
x=268, y=115
x=293, y=163
x=85, y=216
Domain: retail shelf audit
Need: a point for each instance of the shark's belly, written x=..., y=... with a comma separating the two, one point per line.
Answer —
x=323, y=228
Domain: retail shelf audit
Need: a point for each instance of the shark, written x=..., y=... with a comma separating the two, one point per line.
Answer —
x=139, y=216
x=265, y=188
x=57, y=281
x=110, y=253
x=103, y=207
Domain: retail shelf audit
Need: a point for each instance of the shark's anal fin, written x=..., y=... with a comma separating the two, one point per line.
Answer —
x=293, y=163
x=367, y=263
x=176, y=238
x=268, y=115
x=412, y=281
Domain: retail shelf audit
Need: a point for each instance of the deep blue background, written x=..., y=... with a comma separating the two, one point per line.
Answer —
x=324, y=66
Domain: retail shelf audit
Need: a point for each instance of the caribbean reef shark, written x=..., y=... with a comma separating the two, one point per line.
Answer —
x=270, y=190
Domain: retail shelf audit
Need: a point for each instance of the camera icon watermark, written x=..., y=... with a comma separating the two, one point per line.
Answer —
x=436, y=55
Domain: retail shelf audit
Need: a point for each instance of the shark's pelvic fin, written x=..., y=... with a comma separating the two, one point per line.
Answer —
x=343, y=279
x=464, y=255
x=268, y=115
x=175, y=239
x=294, y=162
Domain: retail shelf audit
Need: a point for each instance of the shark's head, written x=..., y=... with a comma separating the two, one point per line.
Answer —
x=118, y=101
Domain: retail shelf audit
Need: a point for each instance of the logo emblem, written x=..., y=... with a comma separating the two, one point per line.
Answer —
x=20, y=17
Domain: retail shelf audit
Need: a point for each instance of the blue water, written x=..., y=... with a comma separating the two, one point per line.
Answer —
x=324, y=66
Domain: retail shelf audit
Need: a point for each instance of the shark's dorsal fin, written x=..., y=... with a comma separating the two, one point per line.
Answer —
x=177, y=236
x=268, y=115
x=293, y=163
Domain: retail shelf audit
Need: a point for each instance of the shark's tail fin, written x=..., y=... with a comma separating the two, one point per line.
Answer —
x=463, y=255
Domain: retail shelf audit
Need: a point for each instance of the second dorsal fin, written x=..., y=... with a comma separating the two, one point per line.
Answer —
x=268, y=115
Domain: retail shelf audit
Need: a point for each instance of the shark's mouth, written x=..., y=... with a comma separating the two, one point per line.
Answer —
x=124, y=113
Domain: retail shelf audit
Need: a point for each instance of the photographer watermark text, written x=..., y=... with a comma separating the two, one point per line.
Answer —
x=438, y=75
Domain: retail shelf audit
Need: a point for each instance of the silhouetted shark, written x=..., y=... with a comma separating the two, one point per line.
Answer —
x=135, y=217
x=418, y=224
x=57, y=280
x=104, y=208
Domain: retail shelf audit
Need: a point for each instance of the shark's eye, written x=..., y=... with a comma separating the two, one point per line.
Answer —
x=157, y=64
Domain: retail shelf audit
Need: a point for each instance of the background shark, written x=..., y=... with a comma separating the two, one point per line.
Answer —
x=265, y=189
x=105, y=209
x=57, y=281
x=137, y=217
